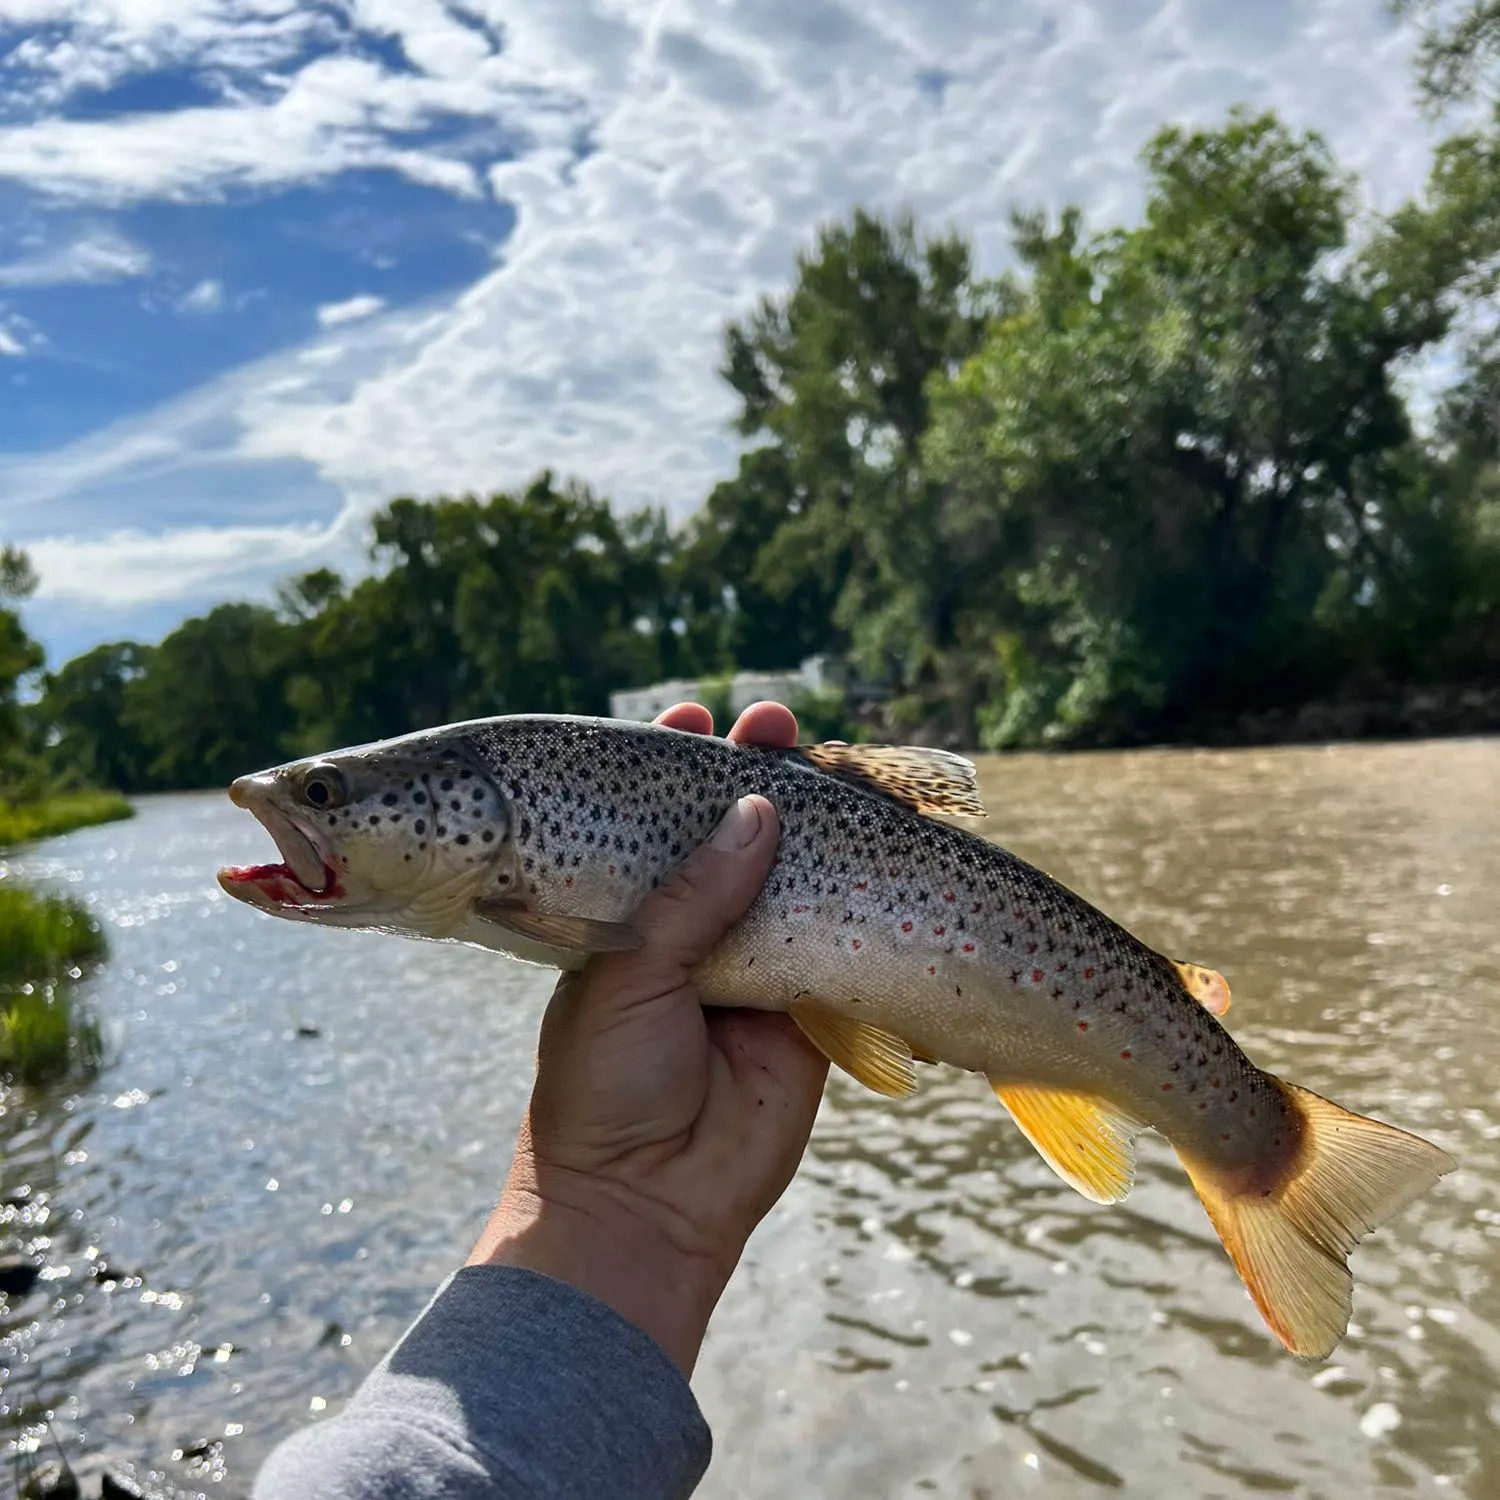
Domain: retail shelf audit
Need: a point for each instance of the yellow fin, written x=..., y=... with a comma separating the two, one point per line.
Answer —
x=1086, y=1140
x=1290, y=1238
x=876, y=1058
x=927, y=781
x=576, y=934
x=1207, y=986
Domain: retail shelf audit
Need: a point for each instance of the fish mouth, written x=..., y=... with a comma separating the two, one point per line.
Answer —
x=305, y=874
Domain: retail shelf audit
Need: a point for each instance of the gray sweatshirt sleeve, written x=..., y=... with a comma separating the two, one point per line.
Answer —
x=509, y=1386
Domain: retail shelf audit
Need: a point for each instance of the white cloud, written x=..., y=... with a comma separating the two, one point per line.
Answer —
x=718, y=138
x=206, y=297
x=103, y=256
x=332, y=314
x=122, y=568
x=10, y=346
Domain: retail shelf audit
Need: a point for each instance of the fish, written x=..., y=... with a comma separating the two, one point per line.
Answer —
x=888, y=931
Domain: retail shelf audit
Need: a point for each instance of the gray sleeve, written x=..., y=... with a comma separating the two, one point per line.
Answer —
x=510, y=1386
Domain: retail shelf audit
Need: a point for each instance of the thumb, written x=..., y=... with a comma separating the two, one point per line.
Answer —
x=701, y=900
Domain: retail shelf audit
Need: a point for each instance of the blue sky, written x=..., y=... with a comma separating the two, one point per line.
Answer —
x=264, y=265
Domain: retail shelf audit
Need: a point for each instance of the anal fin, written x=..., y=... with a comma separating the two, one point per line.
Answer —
x=927, y=781
x=1087, y=1141
x=1207, y=986
x=576, y=934
x=877, y=1059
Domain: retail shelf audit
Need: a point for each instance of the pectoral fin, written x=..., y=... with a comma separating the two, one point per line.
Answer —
x=1207, y=986
x=576, y=934
x=876, y=1058
x=927, y=781
x=1086, y=1140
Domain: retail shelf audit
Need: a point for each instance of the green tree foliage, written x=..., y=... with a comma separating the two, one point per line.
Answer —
x=1460, y=46
x=20, y=658
x=834, y=514
x=1195, y=432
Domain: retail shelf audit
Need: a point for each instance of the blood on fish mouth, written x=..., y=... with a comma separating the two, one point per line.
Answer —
x=305, y=874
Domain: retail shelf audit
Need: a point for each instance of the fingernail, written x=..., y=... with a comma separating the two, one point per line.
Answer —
x=738, y=826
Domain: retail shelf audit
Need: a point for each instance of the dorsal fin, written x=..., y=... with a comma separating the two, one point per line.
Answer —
x=927, y=781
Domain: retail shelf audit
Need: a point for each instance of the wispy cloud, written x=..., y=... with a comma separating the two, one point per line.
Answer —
x=206, y=297
x=332, y=314
x=104, y=256
x=10, y=346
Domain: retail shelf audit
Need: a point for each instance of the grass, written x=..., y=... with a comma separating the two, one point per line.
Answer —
x=45, y=941
x=45, y=817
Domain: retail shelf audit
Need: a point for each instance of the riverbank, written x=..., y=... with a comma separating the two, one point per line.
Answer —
x=45, y=818
x=46, y=941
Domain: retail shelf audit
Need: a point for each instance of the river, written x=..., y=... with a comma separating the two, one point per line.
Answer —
x=299, y=1132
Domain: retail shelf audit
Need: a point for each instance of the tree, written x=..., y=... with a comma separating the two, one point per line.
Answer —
x=82, y=711
x=1194, y=433
x=833, y=379
x=1460, y=46
x=20, y=657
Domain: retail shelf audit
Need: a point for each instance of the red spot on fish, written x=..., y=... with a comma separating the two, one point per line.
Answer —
x=1251, y=1111
x=968, y=947
x=611, y=869
x=1125, y=1056
x=1088, y=973
x=1214, y=1082
x=906, y=927
x=938, y=931
x=799, y=909
x=861, y=885
x=1037, y=976
x=854, y=943
x=1083, y=1025
x=947, y=895
x=568, y=881
x=1166, y=1088
x=1224, y=1136
x=932, y=968
x=1030, y=948
x=1204, y=1105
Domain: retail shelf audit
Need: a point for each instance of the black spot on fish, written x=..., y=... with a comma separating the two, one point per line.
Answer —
x=389, y=800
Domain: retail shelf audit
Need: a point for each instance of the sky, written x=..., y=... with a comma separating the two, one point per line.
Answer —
x=265, y=265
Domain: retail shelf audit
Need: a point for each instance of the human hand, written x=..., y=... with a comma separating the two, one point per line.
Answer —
x=659, y=1134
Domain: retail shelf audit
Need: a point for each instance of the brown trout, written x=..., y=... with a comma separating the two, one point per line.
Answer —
x=888, y=936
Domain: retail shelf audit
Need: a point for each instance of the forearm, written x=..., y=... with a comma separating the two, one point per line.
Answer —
x=510, y=1384
x=632, y=1253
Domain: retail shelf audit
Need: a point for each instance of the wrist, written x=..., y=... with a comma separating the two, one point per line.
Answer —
x=590, y=1235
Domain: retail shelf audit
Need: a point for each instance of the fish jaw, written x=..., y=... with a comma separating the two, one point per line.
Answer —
x=306, y=875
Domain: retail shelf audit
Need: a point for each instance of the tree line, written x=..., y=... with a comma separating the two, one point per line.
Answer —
x=1149, y=479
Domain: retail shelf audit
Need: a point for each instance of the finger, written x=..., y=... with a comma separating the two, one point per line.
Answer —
x=695, y=906
x=692, y=717
x=772, y=725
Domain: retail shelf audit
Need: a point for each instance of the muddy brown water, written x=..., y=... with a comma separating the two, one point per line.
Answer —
x=239, y=1219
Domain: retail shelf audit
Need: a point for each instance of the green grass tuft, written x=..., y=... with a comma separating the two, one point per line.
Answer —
x=44, y=942
x=21, y=822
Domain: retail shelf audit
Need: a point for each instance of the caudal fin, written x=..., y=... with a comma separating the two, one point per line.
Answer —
x=1290, y=1240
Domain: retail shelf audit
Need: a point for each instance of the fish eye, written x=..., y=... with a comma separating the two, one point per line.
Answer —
x=325, y=785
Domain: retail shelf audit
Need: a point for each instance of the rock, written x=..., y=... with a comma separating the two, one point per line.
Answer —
x=18, y=1274
x=117, y=1487
x=50, y=1482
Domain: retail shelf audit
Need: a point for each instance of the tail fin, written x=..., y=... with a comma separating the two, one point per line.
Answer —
x=1289, y=1241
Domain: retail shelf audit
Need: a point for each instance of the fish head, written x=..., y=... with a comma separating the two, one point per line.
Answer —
x=399, y=836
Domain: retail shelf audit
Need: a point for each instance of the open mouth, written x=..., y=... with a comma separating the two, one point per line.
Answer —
x=305, y=874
